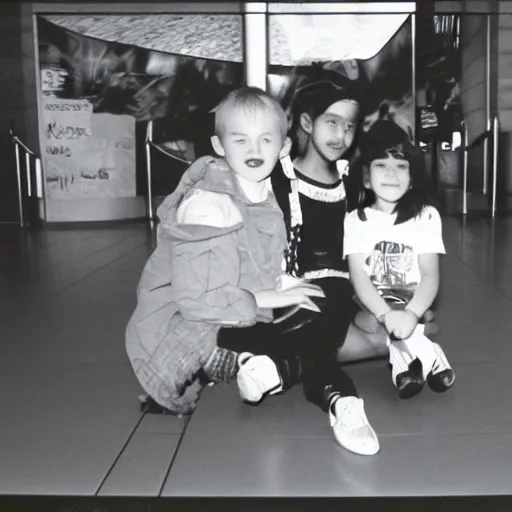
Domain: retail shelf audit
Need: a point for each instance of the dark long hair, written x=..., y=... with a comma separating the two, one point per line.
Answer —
x=384, y=139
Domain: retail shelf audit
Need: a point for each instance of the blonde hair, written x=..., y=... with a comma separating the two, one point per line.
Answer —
x=252, y=99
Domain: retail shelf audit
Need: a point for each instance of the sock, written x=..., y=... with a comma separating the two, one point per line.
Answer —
x=221, y=365
x=242, y=357
x=337, y=397
x=421, y=347
x=441, y=363
x=399, y=357
x=332, y=401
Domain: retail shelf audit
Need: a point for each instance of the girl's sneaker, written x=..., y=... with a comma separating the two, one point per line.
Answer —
x=441, y=377
x=406, y=371
x=351, y=427
x=436, y=368
x=257, y=377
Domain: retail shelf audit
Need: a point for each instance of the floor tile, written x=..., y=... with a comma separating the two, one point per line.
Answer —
x=71, y=417
x=162, y=424
x=63, y=425
x=142, y=467
x=433, y=465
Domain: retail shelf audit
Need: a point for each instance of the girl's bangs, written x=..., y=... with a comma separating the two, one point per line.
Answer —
x=398, y=151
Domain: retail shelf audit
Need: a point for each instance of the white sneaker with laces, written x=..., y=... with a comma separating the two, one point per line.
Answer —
x=257, y=377
x=351, y=427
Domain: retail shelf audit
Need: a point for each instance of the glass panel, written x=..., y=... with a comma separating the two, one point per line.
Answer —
x=306, y=38
x=303, y=46
x=438, y=98
x=208, y=36
x=472, y=67
x=502, y=29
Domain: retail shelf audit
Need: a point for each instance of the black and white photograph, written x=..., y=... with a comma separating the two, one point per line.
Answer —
x=255, y=256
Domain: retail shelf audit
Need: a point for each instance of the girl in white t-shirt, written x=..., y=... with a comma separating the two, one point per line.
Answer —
x=392, y=242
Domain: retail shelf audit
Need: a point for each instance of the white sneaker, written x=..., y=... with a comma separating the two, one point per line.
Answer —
x=351, y=427
x=257, y=377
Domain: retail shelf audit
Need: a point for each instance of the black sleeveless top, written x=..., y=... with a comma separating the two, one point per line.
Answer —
x=320, y=237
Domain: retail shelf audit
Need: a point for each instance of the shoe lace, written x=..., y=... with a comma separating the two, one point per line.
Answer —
x=352, y=416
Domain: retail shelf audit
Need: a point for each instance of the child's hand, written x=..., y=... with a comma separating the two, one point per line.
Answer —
x=300, y=296
x=297, y=296
x=400, y=323
x=287, y=282
x=186, y=401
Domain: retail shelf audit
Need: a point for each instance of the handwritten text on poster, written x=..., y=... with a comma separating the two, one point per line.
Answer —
x=87, y=154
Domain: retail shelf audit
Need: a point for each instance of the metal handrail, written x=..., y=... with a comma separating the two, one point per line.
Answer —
x=20, y=142
x=465, y=170
x=39, y=192
x=149, y=198
x=483, y=137
x=158, y=147
x=495, y=147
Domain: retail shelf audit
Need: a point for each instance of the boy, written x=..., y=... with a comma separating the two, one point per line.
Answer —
x=218, y=256
x=311, y=194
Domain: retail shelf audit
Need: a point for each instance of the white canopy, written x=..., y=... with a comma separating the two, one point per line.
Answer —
x=336, y=36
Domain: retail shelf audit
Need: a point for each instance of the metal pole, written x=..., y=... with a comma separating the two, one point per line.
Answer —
x=463, y=238
x=39, y=178
x=20, y=190
x=491, y=260
x=465, y=171
x=40, y=120
x=255, y=44
x=29, y=177
x=413, y=50
x=40, y=188
x=487, y=102
x=495, y=142
x=149, y=138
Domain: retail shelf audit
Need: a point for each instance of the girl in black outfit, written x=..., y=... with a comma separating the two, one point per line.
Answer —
x=302, y=345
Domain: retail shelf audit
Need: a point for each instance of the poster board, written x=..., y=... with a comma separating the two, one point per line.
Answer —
x=86, y=154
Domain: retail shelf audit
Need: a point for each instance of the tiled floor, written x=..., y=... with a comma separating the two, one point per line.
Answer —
x=70, y=423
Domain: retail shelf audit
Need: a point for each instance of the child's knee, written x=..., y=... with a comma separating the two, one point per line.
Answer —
x=360, y=345
x=367, y=322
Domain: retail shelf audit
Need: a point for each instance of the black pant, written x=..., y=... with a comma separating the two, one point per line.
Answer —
x=307, y=354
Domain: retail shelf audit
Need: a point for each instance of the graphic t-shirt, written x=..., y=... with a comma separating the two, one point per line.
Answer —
x=392, y=250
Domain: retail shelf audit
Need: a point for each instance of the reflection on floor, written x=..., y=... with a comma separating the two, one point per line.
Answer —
x=71, y=424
